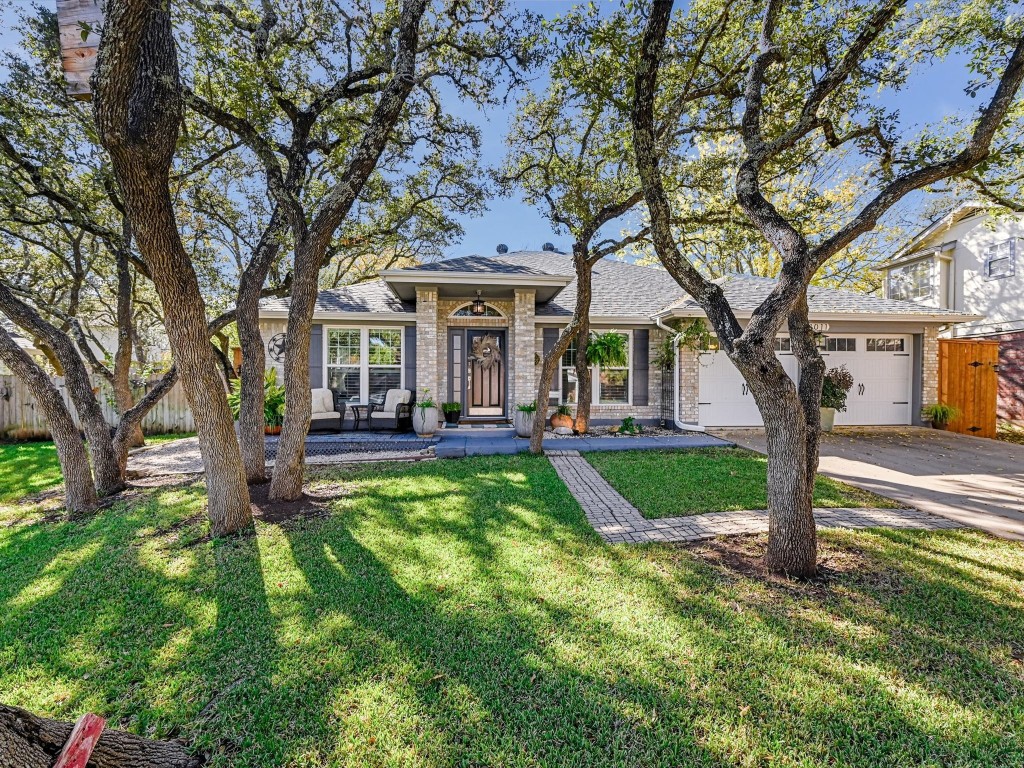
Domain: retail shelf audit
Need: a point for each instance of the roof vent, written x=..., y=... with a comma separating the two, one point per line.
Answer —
x=502, y=248
x=548, y=247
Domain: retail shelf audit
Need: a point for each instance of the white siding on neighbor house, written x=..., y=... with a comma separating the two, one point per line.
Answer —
x=961, y=281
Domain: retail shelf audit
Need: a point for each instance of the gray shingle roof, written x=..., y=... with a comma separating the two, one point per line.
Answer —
x=501, y=265
x=745, y=293
x=371, y=296
x=620, y=289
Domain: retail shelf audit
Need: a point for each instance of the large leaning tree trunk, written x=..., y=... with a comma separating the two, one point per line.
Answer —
x=30, y=741
x=79, y=491
x=790, y=411
x=138, y=112
x=312, y=245
x=108, y=474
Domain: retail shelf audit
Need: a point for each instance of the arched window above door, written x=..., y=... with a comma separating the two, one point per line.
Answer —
x=466, y=310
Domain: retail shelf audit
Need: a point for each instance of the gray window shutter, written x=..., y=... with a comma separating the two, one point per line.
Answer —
x=316, y=356
x=641, y=366
x=409, y=356
x=550, y=339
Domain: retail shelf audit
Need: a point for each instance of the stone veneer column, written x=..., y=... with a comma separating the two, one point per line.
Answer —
x=524, y=329
x=689, y=385
x=426, y=344
x=930, y=366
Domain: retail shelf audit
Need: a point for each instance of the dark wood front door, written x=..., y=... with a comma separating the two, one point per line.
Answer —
x=485, y=379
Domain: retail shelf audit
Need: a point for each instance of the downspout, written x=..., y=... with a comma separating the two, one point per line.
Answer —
x=679, y=423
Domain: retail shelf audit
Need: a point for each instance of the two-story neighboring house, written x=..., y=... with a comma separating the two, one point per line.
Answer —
x=971, y=260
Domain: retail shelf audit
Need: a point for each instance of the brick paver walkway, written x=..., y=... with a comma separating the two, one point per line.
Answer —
x=618, y=521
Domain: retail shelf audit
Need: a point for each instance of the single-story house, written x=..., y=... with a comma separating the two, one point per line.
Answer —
x=473, y=330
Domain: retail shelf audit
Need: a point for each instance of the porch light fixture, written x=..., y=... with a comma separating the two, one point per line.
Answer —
x=478, y=308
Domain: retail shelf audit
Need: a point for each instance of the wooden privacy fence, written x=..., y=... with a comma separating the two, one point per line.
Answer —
x=969, y=379
x=21, y=418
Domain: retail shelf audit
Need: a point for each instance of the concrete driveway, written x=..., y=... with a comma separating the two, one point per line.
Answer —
x=972, y=480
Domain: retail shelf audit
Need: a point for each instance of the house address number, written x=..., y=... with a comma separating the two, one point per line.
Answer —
x=819, y=327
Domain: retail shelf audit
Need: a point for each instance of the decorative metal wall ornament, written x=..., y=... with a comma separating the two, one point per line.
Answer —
x=276, y=347
x=486, y=352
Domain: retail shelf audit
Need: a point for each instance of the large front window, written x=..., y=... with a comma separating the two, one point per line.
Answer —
x=611, y=384
x=344, y=363
x=911, y=281
x=364, y=363
x=385, y=361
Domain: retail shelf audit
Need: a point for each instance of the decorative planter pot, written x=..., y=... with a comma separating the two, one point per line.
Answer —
x=424, y=421
x=523, y=422
x=452, y=417
x=561, y=420
x=940, y=424
x=272, y=430
x=828, y=419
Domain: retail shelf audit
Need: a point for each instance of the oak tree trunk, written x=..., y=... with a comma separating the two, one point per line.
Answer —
x=138, y=111
x=30, y=741
x=251, y=417
x=585, y=386
x=311, y=247
x=121, y=381
x=108, y=476
x=79, y=491
x=792, y=541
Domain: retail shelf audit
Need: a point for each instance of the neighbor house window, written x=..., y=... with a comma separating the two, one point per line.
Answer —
x=611, y=385
x=344, y=362
x=385, y=363
x=911, y=281
x=783, y=344
x=364, y=363
x=1000, y=259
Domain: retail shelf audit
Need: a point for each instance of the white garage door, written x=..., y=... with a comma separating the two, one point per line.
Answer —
x=881, y=394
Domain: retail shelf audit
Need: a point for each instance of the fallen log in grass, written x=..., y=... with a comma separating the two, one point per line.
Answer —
x=30, y=741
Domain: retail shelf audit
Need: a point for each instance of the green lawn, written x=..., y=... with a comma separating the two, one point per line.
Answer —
x=463, y=613
x=29, y=468
x=671, y=483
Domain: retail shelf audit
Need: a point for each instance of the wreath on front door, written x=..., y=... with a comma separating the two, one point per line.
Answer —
x=486, y=353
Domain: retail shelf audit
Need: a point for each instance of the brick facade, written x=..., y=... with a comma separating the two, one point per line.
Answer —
x=428, y=348
x=929, y=367
x=689, y=371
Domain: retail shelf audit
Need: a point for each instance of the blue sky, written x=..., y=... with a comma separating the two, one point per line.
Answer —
x=933, y=94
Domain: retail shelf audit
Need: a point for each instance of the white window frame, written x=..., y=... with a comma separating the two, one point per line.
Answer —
x=929, y=265
x=992, y=255
x=595, y=376
x=364, y=355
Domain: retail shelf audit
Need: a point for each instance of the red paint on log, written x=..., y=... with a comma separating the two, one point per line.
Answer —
x=86, y=733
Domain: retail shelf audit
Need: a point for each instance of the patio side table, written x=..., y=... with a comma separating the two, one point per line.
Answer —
x=360, y=413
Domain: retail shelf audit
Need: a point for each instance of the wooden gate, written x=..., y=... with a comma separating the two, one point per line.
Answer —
x=969, y=379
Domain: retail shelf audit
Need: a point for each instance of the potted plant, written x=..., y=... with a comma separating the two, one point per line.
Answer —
x=524, y=418
x=452, y=412
x=836, y=386
x=424, y=415
x=562, y=417
x=609, y=349
x=940, y=414
x=273, y=401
